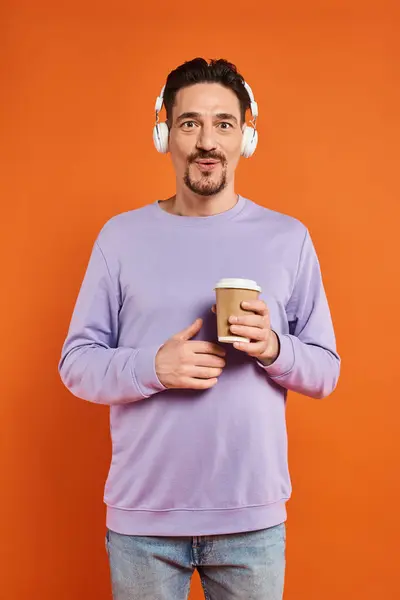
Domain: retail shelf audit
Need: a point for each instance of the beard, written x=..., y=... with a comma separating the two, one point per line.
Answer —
x=206, y=185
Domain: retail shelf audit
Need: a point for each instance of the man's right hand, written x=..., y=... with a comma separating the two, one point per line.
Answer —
x=187, y=364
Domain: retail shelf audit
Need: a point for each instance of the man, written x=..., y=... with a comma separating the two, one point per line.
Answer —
x=199, y=475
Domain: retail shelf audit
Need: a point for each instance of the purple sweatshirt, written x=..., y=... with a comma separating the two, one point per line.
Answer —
x=190, y=462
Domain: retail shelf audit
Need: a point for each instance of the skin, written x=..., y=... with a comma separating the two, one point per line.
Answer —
x=206, y=123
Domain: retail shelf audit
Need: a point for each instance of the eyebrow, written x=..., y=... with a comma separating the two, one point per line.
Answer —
x=197, y=115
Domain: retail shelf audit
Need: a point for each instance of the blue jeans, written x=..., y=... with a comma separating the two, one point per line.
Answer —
x=244, y=566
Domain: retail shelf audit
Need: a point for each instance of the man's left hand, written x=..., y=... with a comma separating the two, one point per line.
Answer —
x=264, y=343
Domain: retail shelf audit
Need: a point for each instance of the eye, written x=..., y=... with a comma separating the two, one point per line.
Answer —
x=225, y=125
x=188, y=125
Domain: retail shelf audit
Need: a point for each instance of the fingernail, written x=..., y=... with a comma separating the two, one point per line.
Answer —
x=233, y=319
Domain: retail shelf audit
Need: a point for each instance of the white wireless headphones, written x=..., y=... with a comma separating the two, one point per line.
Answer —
x=250, y=133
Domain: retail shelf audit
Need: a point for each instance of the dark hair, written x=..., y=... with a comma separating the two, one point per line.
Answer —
x=199, y=70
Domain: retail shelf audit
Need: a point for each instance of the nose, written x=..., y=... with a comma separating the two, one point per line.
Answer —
x=206, y=140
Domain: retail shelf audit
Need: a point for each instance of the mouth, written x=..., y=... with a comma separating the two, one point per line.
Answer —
x=207, y=164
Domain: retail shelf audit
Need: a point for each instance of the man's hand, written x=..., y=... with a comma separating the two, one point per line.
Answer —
x=187, y=364
x=264, y=343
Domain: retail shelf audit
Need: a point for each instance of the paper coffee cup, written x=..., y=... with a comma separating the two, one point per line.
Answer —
x=230, y=293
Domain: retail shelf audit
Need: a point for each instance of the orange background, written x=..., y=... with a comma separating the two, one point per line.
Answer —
x=78, y=87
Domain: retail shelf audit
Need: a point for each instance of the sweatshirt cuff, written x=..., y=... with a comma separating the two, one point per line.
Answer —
x=285, y=361
x=144, y=371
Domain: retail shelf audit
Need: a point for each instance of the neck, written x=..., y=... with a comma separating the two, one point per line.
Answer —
x=187, y=204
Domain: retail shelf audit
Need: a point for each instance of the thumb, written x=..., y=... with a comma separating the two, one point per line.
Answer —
x=190, y=331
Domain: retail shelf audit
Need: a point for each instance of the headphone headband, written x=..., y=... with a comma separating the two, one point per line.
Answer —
x=160, y=100
x=253, y=103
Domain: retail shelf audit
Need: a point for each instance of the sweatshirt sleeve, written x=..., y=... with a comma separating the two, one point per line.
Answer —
x=92, y=365
x=308, y=362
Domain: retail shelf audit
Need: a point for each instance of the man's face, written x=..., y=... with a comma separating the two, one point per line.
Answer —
x=205, y=137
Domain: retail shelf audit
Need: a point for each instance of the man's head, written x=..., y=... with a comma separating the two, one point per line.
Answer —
x=206, y=108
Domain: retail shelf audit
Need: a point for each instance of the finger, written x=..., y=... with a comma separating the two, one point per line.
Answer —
x=191, y=383
x=214, y=309
x=190, y=331
x=250, y=348
x=205, y=372
x=209, y=360
x=257, y=306
x=207, y=348
x=250, y=320
x=253, y=333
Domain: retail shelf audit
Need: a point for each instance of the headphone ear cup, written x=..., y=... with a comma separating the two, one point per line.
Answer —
x=249, y=141
x=160, y=137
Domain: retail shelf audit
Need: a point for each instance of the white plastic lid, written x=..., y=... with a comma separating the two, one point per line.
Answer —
x=236, y=283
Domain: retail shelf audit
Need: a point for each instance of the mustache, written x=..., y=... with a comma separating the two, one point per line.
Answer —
x=206, y=155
